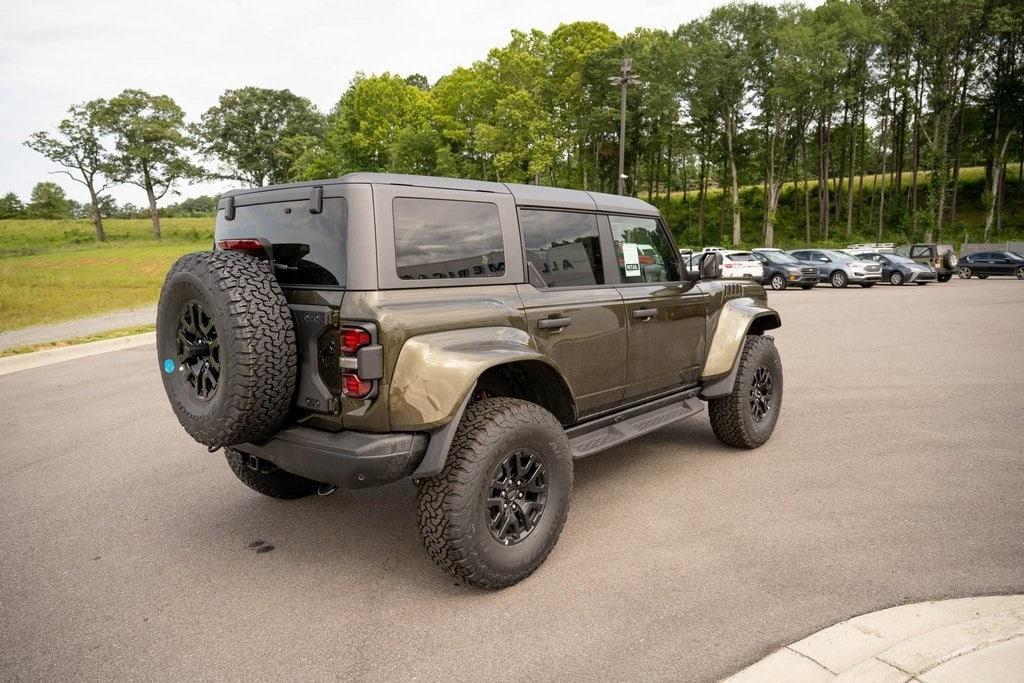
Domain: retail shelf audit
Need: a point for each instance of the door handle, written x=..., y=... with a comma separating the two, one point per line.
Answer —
x=554, y=323
x=645, y=313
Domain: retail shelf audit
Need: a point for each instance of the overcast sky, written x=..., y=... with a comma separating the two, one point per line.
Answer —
x=53, y=54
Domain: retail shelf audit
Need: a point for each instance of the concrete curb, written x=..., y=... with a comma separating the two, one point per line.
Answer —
x=36, y=359
x=927, y=641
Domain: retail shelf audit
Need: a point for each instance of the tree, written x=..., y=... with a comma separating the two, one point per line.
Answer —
x=11, y=206
x=48, y=201
x=78, y=147
x=256, y=134
x=150, y=145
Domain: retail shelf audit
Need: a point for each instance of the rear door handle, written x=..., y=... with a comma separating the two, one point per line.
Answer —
x=645, y=313
x=554, y=323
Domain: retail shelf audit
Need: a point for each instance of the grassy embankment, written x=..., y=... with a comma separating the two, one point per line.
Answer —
x=53, y=270
x=789, y=223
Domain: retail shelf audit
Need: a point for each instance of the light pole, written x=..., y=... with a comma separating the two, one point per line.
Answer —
x=624, y=79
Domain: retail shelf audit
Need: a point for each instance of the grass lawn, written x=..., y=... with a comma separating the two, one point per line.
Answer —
x=54, y=270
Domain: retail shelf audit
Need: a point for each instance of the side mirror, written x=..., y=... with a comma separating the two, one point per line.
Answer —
x=711, y=265
x=823, y=259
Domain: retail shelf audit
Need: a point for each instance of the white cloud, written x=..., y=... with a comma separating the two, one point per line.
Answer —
x=54, y=53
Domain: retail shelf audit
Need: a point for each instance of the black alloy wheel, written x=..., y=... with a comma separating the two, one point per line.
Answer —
x=516, y=497
x=761, y=390
x=198, y=350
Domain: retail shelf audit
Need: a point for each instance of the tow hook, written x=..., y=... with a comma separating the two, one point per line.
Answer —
x=326, y=489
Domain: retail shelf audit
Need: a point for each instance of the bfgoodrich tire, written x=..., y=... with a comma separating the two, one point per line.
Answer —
x=495, y=511
x=268, y=479
x=746, y=418
x=226, y=345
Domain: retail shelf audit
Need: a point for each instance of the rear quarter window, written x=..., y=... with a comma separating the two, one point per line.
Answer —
x=447, y=238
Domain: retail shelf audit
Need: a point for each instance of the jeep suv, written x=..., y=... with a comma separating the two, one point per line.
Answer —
x=941, y=257
x=476, y=337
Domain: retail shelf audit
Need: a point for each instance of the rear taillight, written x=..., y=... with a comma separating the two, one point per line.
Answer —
x=361, y=361
x=354, y=338
x=244, y=244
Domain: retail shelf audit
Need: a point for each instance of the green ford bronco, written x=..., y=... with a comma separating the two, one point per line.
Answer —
x=475, y=337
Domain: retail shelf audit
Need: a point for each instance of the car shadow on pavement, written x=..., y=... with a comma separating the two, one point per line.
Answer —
x=371, y=536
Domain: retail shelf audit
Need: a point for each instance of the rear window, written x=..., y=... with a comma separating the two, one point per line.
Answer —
x=309, y=248
x=447, y=238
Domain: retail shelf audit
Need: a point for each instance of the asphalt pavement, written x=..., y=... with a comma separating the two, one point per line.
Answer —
x=81, y=327
x=895, y=475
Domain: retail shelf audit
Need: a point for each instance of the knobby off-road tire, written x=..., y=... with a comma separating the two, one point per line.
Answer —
x=454, y=511
x=268, y=479
x=225, y=309
x=737, y=419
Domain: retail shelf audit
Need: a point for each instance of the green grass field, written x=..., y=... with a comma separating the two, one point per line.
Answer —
x=55, y=270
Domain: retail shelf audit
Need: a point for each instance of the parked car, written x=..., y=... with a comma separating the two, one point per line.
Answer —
x=941, y=257
x=985, y=263
x=782, y=270
x=474, y=337
x=839, y=269
x=741, y=265
x=897, y=270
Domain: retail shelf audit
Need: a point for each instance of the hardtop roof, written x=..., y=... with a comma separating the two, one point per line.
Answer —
x=523, y=195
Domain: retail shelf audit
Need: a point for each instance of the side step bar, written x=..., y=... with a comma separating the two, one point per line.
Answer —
x=611, y=430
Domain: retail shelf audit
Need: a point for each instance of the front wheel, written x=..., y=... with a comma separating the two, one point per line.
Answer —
x=945, y=278
x=965, y=273
x=1019, y=273
x=493, y=514
x=896, y=278
x=746, y=417
x=839, y=279
x=778, y=282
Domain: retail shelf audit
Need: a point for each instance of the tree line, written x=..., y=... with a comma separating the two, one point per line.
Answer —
x=904, y=93
x=49, y=200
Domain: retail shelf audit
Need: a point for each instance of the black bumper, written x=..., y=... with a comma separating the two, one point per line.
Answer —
x=346, y=459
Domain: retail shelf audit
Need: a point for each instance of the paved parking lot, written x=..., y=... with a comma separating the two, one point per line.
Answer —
x=895, y=475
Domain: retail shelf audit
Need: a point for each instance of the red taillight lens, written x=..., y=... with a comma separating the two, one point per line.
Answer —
x=354, y=387
x=246, y=244
x=353, y=339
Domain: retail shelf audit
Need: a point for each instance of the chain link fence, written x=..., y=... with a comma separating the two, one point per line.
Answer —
x=973, y=247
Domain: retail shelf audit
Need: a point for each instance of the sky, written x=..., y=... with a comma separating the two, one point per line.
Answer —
x=54, y=54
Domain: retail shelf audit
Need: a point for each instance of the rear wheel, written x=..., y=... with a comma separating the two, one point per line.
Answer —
x=778, y=282
x=495, y=511
x=746, y=417
x=839, y=279
x=1019, y=273
x=896, y=278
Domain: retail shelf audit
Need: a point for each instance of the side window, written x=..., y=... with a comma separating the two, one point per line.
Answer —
x=563, y=248
x=643, y=250
x=800, y=255
x=918, y=252
x=445, y=238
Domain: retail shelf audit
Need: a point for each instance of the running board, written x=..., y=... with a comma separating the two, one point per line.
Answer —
x=605, y=432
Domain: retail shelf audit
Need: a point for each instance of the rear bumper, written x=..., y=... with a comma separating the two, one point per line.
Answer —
x=346, y=459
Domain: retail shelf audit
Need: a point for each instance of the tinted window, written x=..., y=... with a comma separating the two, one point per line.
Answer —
x=741, y=256
x=443, y=238
x=643, y=250
x=562, y=247
x=309, y=248
x=918, y=252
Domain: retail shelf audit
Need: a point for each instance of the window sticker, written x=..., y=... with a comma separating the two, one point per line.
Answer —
x=631, y=258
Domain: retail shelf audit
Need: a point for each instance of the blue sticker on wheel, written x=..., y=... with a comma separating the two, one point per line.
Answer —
x=168, y=366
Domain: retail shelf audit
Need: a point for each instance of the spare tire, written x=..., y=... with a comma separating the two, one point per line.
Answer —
x=226, y=345
x=950, y=260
